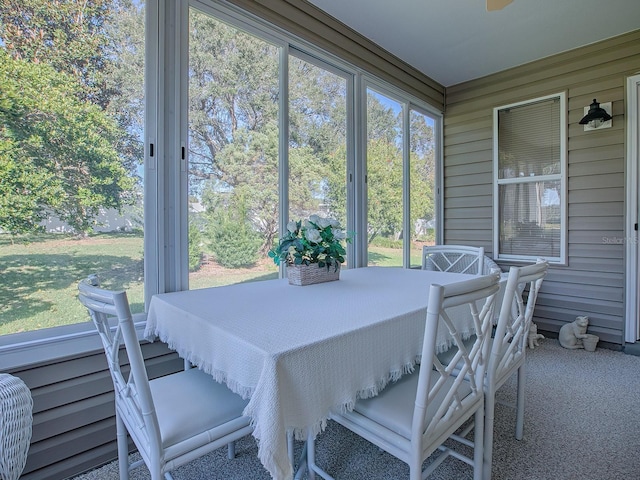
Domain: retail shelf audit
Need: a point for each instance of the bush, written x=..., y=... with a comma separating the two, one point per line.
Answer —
x=195, y=248
x=234, y=242
x=385, y=242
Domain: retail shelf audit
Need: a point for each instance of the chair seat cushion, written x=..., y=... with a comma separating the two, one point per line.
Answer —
x=446, y=356
x=192, y=402
x=393, y=407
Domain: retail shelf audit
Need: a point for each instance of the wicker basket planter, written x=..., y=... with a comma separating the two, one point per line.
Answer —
x=309, y=274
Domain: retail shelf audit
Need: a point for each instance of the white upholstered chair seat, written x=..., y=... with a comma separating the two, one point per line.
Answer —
x=393, y=407
x=206, y=407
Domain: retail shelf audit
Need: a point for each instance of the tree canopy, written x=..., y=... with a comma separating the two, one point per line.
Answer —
x=68, y=142
x=71, y=123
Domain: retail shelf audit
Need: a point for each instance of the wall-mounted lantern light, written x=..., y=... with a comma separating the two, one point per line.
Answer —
x=597, y=116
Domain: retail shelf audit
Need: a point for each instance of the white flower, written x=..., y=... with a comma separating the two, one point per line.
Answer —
x=313, y=235
x=338, y=233
x=314, y=219
x=323, y=222
x=292, y=226
x=333, y=222
x=307, y=225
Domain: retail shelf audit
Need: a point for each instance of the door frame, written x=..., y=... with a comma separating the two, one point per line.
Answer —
x=632, y=309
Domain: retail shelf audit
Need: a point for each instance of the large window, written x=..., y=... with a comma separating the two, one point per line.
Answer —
x=385, y=179
x=529, y=168
x=401, y=187
x=241, y=129
x=318, y=133
x=233, y=153
x=71, y=122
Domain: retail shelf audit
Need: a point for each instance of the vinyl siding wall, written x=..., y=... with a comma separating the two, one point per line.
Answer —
x=593, y=281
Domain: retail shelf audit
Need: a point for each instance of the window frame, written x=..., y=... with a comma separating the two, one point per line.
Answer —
x=561, y=259
x=165, y=193
x=408, y=104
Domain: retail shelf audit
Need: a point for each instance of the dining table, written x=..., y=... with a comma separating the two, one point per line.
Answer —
x=298, y=352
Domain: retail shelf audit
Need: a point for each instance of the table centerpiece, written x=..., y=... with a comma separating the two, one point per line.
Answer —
x=312, y=249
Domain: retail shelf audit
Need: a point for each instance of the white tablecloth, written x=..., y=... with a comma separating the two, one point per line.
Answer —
x=298, y=352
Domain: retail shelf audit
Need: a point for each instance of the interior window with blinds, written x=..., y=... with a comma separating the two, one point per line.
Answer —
x=530, y=180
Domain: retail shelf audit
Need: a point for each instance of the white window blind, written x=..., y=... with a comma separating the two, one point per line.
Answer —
x=529, y=180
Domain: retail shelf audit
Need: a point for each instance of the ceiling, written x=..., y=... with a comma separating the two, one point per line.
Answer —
x=453, y=41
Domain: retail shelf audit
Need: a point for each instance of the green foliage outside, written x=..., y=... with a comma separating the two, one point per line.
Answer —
x=195, y=247
x=62, y=149
x=233, y=240
x=71, y=117
x=57, y=153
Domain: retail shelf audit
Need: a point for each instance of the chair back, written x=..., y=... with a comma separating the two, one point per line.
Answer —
x=510, y=340
x=447, y=393
x=133, y=399
x=453, y=258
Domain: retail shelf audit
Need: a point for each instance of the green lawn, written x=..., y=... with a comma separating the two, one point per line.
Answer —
x=39, y=275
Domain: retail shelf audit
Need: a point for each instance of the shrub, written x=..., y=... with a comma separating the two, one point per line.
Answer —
x=234, y=242
x=195, y=248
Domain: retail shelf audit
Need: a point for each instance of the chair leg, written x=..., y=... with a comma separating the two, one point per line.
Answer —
x=123, y=448
x=231, y=450
x=520, y=403
x=415, y=471
x=311, y=457
x=478, y=445
x=311, y=461
x=489, y=416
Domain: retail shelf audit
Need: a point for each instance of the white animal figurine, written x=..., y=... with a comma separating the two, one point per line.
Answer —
x=572, y=334
x=534, y=336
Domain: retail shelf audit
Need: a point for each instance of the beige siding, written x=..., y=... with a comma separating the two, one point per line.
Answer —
x=593, y=281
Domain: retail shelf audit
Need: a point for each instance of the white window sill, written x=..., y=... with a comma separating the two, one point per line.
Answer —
x=45, y=346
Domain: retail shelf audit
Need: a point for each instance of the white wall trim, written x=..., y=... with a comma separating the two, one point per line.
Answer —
x=47, y=346
x=632, y=200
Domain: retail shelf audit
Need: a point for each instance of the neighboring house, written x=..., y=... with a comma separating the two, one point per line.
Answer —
x=73, y=423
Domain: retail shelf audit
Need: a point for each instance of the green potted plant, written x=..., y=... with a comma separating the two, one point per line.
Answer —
x=313, y=250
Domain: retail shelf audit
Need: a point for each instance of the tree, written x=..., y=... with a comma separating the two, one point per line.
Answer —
x=80, y=128
x=385, y=189
x=57, y=152
x=66, y=34
x=233, y=122
x=234, y=241
x=317, y=141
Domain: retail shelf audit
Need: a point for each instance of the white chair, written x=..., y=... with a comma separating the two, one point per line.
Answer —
x=412, y=418
x=453, y=258
x=508, y=348
x=172, y=419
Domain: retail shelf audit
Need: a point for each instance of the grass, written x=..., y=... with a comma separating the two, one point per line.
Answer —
x=40, y=274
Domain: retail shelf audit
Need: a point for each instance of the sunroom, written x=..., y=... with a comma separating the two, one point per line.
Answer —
x=212, y=124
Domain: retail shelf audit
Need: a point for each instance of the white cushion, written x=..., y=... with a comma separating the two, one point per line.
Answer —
x=191, y=402
x=393, y=407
